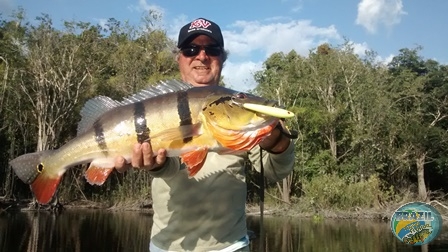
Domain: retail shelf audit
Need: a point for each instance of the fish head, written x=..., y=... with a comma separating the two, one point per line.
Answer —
x=32, y=169
x=225, y=110
x=233, y=125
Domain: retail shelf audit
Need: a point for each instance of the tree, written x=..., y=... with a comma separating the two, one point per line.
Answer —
x=54, y=79
x=139, y=55
x=12, y=61
x=420, y=95
x=278, y=82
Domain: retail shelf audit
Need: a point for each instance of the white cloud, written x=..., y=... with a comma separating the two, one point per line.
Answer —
x=102, y=22
x=360, y=48
x=299, y=35
x=373, y=13
x=385, y=60
x=143, y=6
x=239, y=76
x=175, y=24
x=251, y=41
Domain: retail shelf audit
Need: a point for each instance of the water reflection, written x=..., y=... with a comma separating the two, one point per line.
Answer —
x=97, y=230
x=75, y=231
x=298, y=234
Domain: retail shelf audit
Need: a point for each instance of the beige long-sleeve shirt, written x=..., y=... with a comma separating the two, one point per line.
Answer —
x=208, y=214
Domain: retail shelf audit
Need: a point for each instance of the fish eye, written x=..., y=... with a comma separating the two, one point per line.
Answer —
x=40, y=168
x=241, y=96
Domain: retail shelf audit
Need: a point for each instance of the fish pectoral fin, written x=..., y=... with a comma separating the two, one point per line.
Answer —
x=97, y=175
x=194, y=160
x=178, y=133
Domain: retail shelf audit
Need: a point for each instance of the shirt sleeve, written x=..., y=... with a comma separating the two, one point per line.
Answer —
x=276, y=166
x=168, y=170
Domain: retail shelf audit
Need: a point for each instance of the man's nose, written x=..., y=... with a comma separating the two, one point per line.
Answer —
x=202, y=55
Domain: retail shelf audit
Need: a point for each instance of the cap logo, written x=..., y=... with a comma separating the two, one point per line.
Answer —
x=200, y=23
x=200, y=26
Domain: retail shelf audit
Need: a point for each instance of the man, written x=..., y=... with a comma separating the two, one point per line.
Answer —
x=209, y=214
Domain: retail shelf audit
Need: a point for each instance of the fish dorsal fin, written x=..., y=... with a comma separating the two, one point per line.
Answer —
x=96, y=107
x=163, y=87
x=93, y=109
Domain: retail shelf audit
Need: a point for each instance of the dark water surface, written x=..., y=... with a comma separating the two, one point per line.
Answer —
x=96, y=230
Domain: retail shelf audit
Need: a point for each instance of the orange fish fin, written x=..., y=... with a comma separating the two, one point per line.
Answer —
x=241, y=140
x=193, y=170
x=96, y=175
x=44, y=188
x=179, y=133
x=194, y=160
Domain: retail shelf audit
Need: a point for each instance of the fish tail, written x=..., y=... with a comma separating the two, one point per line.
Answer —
x=31, y=170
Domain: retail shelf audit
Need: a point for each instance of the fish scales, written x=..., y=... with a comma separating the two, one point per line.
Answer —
x=116, y=132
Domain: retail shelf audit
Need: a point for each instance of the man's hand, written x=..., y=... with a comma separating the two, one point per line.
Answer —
x=276, y=142
x=142, y=157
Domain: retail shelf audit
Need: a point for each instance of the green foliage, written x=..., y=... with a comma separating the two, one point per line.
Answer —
x=320, y=163
x=332, y=192
x=135, y=185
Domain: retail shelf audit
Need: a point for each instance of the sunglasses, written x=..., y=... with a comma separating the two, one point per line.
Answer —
x=194, y=50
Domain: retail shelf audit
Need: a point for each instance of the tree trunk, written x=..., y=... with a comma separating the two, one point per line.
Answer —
x=9, y=181
x=333, y=143
x=420, y=161
x=286, y=188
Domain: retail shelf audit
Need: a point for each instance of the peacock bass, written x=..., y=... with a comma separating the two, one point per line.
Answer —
x=187, y=121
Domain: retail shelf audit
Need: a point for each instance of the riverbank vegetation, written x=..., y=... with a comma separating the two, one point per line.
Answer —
x=371, y=134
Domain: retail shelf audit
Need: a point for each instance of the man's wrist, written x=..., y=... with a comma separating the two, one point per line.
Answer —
x=280, y=145
x=159, y=167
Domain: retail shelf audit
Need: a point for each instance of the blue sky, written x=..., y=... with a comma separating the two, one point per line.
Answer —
x=253, y=30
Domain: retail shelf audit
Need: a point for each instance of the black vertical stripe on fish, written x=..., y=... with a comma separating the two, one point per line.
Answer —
x=220, y=100
x=184, y=112
x=99, y=137
x=141, y=127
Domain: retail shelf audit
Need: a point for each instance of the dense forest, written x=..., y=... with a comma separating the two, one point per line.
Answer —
x=370, y=133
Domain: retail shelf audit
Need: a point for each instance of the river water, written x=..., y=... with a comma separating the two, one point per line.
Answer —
x=96, y=230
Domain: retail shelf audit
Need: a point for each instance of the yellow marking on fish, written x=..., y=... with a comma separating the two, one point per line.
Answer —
x=267, y=110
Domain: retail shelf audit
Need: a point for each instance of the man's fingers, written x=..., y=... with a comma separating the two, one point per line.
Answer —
x=148, y=159
x=144, y=158
x=120, y=164
x=161, y=157
x=137, y=158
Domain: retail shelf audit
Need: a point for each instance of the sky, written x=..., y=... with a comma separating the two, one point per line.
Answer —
x=254, y=29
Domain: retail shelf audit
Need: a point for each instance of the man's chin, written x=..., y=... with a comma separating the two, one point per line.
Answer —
x=204, y=82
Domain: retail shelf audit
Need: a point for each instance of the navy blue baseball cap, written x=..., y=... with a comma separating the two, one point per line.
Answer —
x=200, y=26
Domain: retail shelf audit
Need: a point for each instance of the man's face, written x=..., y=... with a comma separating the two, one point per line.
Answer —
x=201, y=69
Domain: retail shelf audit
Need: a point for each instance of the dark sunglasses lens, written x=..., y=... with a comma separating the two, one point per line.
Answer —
x=194, y=50
x=190, y=51
x=213, y=51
